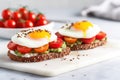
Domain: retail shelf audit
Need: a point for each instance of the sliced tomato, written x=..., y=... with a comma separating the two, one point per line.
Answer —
x=87, y=40
x=23, y=49
x=100, y=35
x=70, y=39
x=56, y=44
x=12, y=46
x=42, y=49
x=59, y=35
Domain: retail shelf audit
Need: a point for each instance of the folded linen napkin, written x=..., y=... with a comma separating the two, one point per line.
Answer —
x=109, y=9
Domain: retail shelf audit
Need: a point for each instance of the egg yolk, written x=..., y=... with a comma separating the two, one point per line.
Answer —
x=83, y=26
x=39, y=34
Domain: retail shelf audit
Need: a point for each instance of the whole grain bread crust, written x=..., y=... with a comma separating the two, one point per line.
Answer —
x=88, y=46
x=41, y=57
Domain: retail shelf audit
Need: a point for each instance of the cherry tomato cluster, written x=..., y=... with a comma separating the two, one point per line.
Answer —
x=22, y=18
x=22, y=49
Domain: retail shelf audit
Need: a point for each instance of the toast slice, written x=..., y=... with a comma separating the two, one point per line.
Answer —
x=40, y=57
x=87, y=46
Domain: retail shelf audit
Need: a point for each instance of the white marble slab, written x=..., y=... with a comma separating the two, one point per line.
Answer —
x=59, y=66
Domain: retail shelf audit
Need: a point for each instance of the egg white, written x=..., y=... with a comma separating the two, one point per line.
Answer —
x=31, y=43
x=91, y=32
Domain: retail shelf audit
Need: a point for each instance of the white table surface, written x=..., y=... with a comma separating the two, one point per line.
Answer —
x=107, y=70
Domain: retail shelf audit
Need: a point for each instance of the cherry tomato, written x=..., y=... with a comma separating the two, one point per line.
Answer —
x=56, y=44
x=24, y=12
x=10, y=23
x=100, y=35
x=31, y=16
x=16, y=15
x=59, y=35
x=87, y=40
x=41, y=16
x=23, y=49
x=70, y=40
x=6, y=14
x=41, y=22
x=28, y=24
x=12, y=46
x=20, y=24
x=42, y=49
x=1, y=23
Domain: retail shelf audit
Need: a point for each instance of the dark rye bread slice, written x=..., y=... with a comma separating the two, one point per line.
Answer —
x=88, y=46
x=41, y=57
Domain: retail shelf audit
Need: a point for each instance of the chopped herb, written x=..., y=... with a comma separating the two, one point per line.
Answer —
x=18, y=53
x=63, y=45
x=46, y=52
x=59, y=49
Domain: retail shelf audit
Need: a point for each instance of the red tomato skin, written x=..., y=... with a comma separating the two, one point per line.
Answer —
x=56, y=44
x=12, y=46
x=41, y=16
x=6, y=14
x=28, y=24
x=24, y=12
x=10, y=23
x=23, y=49
x=16, y=16
x=59, y=35
x=19, y=24
x=1, y=24
x=32, y=16
x=87, y=40
x=41, y=22
x=100, y=35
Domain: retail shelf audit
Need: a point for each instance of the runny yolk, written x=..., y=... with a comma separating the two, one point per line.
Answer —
x=83, y=26
x=39, y=34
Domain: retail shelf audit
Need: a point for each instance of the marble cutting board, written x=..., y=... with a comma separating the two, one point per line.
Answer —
x=76, y=60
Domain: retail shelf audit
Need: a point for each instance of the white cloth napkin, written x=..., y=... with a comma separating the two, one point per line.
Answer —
x=109, y=9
